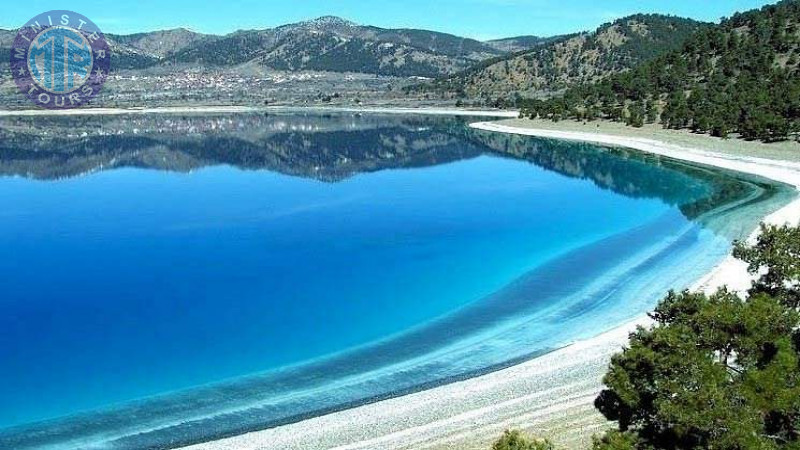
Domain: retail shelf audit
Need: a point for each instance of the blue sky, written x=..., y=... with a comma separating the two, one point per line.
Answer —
x=480, y=19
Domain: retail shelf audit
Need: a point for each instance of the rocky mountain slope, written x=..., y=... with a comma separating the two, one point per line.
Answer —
x=462, y=67
x=160, y=43
x=334, y=44
x=142, y=50
x=568, y=60
x=741, y=76
x=520, y=43
x=324, y=44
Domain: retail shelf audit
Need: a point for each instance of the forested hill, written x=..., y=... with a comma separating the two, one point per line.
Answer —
x=741, y=76
x=337, y=45
x=327, y=43
x=570, y=60
x=520, y=43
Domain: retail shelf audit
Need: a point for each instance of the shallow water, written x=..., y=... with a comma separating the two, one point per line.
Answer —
x=174, y=279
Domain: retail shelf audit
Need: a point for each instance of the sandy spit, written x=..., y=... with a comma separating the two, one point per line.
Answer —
x=551, y=396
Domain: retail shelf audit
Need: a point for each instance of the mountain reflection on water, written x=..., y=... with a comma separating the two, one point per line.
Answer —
x=185, y=288
x=332, y=147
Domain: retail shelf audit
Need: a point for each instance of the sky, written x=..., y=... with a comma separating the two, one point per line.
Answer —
x=478, y=19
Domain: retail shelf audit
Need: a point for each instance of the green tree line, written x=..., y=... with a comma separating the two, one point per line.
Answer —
x=741, y=77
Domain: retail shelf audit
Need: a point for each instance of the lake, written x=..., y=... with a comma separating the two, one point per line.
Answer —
x=172, y=279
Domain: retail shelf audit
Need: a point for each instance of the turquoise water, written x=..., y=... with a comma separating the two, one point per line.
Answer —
x=170, y=281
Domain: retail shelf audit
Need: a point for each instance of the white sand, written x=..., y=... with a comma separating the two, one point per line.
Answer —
x=251, y=109
x=551, y=396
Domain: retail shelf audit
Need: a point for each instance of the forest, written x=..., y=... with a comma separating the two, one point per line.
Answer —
x=740, y=77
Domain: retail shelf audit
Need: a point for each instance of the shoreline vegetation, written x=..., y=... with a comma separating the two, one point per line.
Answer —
x=738, y=77
x=717, y=370
x=734, y=146
x=551, y=396
x=724, y=95
x=787, y=150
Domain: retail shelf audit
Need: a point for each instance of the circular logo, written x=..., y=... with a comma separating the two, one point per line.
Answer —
x=60, y=60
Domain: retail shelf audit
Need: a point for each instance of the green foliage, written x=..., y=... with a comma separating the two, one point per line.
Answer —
x=777, y=255
x=715, y=371
x=515, y=440
x=741, y=76
x=615, y=440
x=332, y=44
x=636, y=115
x=570, y=59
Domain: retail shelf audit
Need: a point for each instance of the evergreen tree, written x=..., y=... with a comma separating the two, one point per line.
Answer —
x=739, y=77
x=715, y=371
x=514, y=440
x=636, y=115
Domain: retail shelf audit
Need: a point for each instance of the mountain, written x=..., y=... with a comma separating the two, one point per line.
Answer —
x=128, y=57
x=6, y=39
x=324, y=44
x=742, y=76
x=143, y=50
x=573, y=59
x=334, y=44
x=160, y=43
x=520, y=43
x=123, y=56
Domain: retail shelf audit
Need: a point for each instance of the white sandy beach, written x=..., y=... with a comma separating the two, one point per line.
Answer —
x=551, y=396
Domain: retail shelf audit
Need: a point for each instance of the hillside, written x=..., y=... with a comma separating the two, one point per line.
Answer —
x=142, y=50
x=324, y=44
x=125, y=54
x=519, y=43
x=334, y=44
x=742, y=76
x=569, y=60
x=6, y=40
x=160, y=43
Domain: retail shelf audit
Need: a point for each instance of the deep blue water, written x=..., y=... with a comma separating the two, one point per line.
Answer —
x=205, y=250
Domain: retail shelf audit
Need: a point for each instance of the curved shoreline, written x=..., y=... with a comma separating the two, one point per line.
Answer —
x=552, y=394
x=496, y=332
